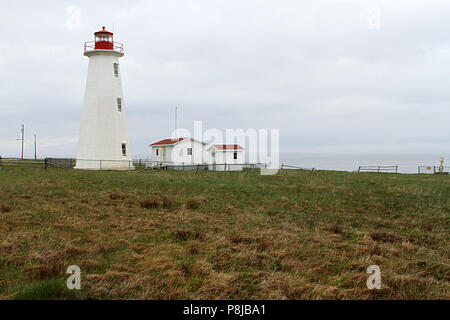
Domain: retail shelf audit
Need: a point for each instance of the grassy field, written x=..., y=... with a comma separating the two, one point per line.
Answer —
x=211, y=235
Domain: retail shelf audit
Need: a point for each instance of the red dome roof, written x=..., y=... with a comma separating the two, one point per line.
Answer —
x=103, y=31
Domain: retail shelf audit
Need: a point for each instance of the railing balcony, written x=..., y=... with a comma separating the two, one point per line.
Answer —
x=103, y=45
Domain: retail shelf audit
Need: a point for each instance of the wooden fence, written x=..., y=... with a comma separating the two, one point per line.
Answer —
x=387, y=169
x=291, y=167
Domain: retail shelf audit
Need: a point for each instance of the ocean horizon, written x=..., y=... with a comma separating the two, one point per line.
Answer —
x=407, y=163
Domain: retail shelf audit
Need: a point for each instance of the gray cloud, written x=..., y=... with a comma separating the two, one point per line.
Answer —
x=310, y=68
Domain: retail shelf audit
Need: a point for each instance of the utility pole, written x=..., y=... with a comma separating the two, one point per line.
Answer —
x=22, y=139
x=35, y=151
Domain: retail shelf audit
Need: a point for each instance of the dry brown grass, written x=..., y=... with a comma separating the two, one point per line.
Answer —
x=239, y=236
x=167, y=202
x=5, y=208
x=192, y=204
x=150, y=203
x=114, y=195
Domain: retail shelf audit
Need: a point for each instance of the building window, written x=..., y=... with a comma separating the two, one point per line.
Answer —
x=119, y=104
x=157, y=153
x=189, y=151
x=124, y=149
x=235, y=156
x=116, y=69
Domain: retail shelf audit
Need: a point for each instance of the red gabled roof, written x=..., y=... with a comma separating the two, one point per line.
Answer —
x=167, y=141
x=228, y=147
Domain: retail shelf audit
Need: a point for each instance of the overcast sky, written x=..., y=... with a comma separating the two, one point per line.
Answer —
x=333, y=76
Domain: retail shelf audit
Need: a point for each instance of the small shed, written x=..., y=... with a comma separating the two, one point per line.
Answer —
x=226, y=157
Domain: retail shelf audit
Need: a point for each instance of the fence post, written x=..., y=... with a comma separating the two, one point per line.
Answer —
x=418, y=169
x=0, y=162
x=129, y=165
x=45, y=163
x=100, y=165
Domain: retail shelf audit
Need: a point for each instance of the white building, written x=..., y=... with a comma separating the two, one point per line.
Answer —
x=179, y=151
x=103, y=142
x=226, y=157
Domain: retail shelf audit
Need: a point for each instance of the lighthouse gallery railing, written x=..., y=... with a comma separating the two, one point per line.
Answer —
x=90, y=46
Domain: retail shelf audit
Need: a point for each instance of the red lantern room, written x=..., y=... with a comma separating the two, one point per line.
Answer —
x=103, y=41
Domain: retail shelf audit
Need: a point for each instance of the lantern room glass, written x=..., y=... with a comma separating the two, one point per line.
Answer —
x=104, y=38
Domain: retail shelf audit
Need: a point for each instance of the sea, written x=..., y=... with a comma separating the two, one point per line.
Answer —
x=407, y=163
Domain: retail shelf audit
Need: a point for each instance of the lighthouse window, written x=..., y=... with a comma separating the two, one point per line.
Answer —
x=189, y=151
x=119, y=104
x=116, y=69
x=235, y=156
x=124, y=149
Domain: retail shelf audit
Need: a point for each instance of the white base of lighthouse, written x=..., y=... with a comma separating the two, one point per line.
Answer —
x=103, y=143
x=103, y=165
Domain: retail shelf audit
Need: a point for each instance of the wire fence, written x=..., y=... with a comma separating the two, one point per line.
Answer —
x=148, y=164
x=432, y=169
x=67, y=163
x=22, y=163
x=127, y=165
x=187, y=166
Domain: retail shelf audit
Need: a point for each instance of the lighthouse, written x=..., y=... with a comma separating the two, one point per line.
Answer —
x=103, y=143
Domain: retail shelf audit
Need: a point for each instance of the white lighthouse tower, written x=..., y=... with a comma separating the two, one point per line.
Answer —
x=103, y=143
